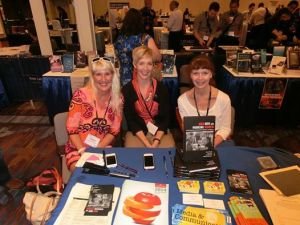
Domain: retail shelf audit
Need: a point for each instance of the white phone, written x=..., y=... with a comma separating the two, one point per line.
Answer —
x=148, y=161
x=111, y=160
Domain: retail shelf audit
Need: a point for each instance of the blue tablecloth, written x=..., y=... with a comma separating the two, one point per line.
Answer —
x=3, y=96
x=245, y=96
x=58, y=93
x=239, y=158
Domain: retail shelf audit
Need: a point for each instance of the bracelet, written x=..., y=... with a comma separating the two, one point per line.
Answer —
x=81, y=150
x=156, y=139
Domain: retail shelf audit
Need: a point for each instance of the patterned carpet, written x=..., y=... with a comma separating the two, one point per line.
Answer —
x=28, y=145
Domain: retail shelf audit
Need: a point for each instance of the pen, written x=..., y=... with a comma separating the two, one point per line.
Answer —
x=103, y=152
x=128, y=168
x=119, y=175
x=171, y=158
x=165, y=164
x=77, y=198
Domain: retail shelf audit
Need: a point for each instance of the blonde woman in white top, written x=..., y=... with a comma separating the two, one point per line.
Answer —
x=205, y=100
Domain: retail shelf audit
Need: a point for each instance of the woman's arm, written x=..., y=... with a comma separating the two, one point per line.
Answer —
x=76, y=141
x=143, y=138
x=106, y=141
x=155, y=50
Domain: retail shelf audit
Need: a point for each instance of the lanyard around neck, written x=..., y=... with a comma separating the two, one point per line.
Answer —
x=209, y=98
x=145, y=103
x=105, y=109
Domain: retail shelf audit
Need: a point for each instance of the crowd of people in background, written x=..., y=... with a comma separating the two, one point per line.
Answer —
x=98, y=109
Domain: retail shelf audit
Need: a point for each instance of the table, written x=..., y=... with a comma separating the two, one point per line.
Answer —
x=57, y=89
x=244, y=159
x=245, y=89
x=58, y=92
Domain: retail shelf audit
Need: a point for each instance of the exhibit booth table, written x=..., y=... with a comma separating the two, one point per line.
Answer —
x=238, y=158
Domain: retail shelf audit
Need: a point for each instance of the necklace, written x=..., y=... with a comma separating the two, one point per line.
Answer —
x=209, y=98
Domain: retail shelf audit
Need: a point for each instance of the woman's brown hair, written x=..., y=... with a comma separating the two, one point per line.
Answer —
x=202, y=62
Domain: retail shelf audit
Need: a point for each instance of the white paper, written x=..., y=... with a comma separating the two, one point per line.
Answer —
x=152, y=128
x=192, y=199
x=96, y=158
x=213, y=203
x=73, y=211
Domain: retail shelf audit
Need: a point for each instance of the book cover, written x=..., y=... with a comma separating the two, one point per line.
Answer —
x=168, y=61
x=243, y=62
x=55, y=63
x=273, y=93
x=68, y=63
x=239, y=182
x=100, y=200
x=188, y=215
x=247, y=211
x=81, y=59
x=143, y=203
x=277, y=64
x=214, y=187
x=198, y=137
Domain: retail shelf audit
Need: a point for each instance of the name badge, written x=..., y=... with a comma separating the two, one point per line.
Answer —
x=231, y=33
x=92, y=140
x=151, y=128
x=205, y=38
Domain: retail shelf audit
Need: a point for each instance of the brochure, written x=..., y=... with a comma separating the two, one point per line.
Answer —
x=143, y=203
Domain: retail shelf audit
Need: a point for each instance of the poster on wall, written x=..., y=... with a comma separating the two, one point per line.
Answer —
x=273, y=93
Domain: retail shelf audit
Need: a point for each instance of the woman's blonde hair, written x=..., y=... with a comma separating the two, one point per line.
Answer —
x=140, y=52
x=103, y=64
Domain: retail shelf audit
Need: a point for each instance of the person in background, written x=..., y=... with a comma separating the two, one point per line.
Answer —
x=257, y=38
x=149, y=17
x=131, y=36
x=95, y=112
x=280, y=27
x=247, y=14
x=174, y=26
x=205, y=100
x=206, y=25
x=186, y=16
x=146, y=105
x=231, y=23
x=62, y=15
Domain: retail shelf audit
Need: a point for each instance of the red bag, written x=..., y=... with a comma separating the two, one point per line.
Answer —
x=48, y=180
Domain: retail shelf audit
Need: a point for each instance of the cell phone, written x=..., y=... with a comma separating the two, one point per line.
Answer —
x=148, y=161
x=111, y=160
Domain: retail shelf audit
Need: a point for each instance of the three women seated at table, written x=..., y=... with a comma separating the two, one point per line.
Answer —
x=95, y=112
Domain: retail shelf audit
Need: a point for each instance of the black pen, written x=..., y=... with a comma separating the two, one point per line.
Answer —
x=128, y=168
x=165, y=165
x=171, y=158
x=103, y=152
x=119, y=175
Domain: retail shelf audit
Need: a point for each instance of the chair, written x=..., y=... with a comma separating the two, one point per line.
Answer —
x=61, y=137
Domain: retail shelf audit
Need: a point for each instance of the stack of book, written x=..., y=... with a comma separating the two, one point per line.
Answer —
x=245, y=211
x=187, y=215
x=208, y=168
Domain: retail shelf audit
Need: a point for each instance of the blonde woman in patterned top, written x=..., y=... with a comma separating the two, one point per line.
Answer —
x=95, y=112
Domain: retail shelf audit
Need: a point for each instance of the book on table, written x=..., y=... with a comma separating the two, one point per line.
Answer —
x=188, y=215
x=68, y=62
x=239, y=182
x=245, y=211
x=55, y=63
x=198, y=138
x=143, y=203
